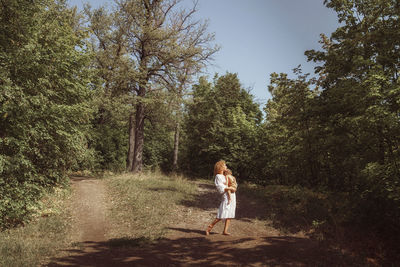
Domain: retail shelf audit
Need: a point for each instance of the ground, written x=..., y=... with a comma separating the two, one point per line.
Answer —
x=252, y=243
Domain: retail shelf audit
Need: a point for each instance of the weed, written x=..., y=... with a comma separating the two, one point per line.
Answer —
x=144, y=205
x=31, y=244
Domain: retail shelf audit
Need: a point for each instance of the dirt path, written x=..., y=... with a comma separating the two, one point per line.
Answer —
x=89, y=210
x=252, y=243
x=89, y=221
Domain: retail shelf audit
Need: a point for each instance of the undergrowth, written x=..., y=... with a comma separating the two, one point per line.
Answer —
x=34, y=243
x=325, y=216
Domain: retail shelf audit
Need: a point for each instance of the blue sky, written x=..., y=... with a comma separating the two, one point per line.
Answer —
x=258, y=37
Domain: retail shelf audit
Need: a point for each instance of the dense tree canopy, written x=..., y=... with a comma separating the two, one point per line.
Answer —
x=221, y=122
x=359, y=106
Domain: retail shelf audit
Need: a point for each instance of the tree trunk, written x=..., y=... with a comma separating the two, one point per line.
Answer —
x=131, y=150
x=381, y=145
x=310, y=155
x=139, y=139
x=176, y=147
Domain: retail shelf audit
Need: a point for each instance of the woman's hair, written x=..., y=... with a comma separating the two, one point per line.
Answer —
x=218, y=167
x=227, y=172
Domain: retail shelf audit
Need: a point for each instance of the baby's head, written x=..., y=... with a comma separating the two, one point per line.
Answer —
x=227, y=172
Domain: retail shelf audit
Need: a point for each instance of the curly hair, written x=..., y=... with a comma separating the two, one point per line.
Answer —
x=218, y=167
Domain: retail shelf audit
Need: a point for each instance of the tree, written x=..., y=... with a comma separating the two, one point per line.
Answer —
x=360, y=106
x=200, y=113
x=113, y=97
x=221, y=122
x=289, y=136
x=159, y=132
x=45, y=101
x=183, y=78
x=160, y=39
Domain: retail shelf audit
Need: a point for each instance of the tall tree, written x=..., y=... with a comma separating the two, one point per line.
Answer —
x=161, y=37
x=113, y=98
x=360, y=106
x=182, y=80
x=361, y=86
x=200, y=113
x=222, y=122
x=289, y=133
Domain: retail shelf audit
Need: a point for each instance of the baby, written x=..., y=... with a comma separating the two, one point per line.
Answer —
x=231, y=182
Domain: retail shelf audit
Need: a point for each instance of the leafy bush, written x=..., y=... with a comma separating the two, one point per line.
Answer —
x=45, y=101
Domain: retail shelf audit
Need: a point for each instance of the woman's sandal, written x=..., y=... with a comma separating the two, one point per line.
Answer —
x=209, y=228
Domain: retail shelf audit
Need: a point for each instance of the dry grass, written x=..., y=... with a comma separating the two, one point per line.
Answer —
x=32, y=244
x=143, y=205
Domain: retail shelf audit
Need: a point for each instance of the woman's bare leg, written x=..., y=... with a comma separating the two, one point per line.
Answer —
x=227, y=223
x=210, y=227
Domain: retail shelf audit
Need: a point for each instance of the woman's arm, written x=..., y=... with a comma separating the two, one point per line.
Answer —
x=220, y=184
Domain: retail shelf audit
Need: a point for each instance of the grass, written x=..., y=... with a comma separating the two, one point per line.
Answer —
x=292, y=209
x=321, y=215
x=34, y=243
x=144, y=205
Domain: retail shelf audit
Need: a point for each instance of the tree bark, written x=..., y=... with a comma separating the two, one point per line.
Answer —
x=176, y=147
x=139, y=139
x=381, y=145
x=140, y=112
x=131, y=149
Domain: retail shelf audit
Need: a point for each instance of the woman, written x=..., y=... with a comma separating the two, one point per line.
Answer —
x=226, y=210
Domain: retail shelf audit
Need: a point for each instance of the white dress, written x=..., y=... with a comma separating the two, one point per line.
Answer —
x=225, y=211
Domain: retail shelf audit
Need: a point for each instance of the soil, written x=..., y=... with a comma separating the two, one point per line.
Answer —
x=253, y=241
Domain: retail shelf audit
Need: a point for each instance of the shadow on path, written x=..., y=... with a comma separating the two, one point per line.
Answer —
x=206, y=199
x=215, y=250
x=193, y=231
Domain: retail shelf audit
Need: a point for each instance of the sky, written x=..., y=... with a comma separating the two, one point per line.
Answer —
x=259, y=37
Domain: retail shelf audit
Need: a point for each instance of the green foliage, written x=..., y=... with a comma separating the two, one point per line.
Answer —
x=288, y=134
x=343, y=136
x=109, y=133
x=295, y=208
x=155, y=50
x=45, y=101
x=340, y=132
x=221, y=123
x=112, y=102
x=109, y=142
x=157, y=153
x=360, y=107
x=159, y=132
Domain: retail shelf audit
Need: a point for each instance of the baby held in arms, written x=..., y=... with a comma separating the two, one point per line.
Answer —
x=230, y=182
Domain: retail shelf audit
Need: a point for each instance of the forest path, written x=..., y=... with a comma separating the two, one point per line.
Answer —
x=252, y=243
x=89, y=221
x=89, y=210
